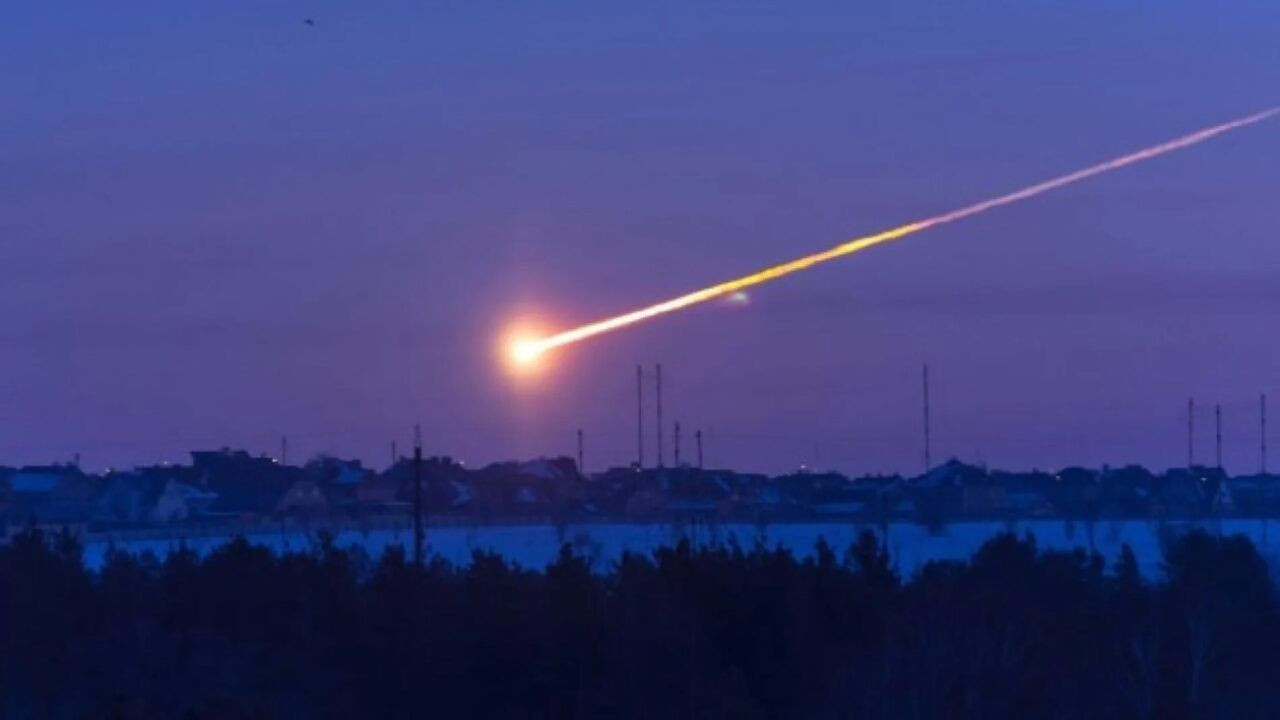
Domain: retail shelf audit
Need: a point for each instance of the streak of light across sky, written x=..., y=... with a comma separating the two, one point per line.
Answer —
x=528, y=350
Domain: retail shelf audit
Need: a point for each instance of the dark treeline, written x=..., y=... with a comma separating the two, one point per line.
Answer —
x=709, y=633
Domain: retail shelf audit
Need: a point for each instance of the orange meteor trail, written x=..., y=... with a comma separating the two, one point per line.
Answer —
x=526, y=351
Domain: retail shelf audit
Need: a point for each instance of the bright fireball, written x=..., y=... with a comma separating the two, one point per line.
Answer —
x=525, y=352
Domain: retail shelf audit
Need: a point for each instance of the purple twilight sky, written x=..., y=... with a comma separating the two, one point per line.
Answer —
x=219, y=224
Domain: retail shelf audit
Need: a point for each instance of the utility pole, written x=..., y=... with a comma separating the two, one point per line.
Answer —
x=677, y=448
x=659, y=372
x=1217, y=421
x=697, y=436
x=1191, y=432
x=581, y=469
x=417, y=495
x=928, y=458
x=639, y=418
x=1264, y=433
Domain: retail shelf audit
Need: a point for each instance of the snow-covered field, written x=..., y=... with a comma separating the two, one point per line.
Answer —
x=911, y=545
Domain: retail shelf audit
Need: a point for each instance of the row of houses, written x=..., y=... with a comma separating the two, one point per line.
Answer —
x=234, y=486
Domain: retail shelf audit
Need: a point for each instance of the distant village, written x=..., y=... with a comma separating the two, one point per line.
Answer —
x=232, y=488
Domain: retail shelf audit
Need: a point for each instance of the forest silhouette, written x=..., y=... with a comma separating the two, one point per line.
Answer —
x=687, y=632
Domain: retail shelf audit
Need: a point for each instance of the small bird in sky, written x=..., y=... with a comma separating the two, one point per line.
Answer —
x=310, y=22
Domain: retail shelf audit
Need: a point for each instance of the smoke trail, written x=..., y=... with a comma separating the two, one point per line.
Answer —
x=528, y=350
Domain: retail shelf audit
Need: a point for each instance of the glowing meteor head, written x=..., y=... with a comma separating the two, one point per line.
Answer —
x=522, y=348
x=526, y=352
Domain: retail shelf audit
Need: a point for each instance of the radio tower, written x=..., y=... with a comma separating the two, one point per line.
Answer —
x=658, y=369
x=417, y=495
x=1191, y=432
x=1217, y=422
x=677, y=447
x=581, y=470
x=639, y=418
x=928, y=458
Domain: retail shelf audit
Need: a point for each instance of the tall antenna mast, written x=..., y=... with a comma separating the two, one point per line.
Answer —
x=417, y=495
x=697, y=437
x=1191, y=432
x=677, y=448
x=659, y=371
x=1217, y=422
x=1264, y=433
x=639, y=417
x=928, y=458
x=581, y=469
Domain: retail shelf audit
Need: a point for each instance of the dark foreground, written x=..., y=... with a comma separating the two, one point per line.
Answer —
x=727, y=633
